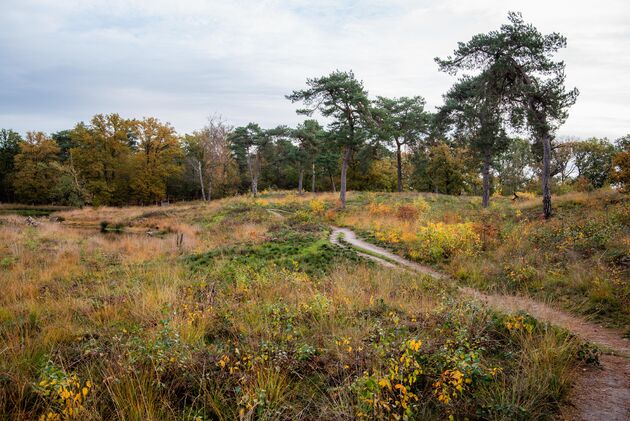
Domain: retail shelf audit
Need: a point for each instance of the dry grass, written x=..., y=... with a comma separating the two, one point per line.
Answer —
x=160, y=339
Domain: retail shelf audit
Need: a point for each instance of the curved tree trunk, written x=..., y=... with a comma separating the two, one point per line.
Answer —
x=546, y=175
x=347, y=153
x=399, y=166
x=486, y=180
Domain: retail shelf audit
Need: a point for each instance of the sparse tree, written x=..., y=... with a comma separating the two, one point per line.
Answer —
x=400, y=121
x=517, y=61
x=208, y=153
x=246, y=143
x=473, y=109
x=341, y=97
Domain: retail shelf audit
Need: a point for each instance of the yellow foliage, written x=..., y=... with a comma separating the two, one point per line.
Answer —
x=450, y=385
x=317, y=206
x=437, y=241
x=67, y=396
x=379, y=209
x=421, y=205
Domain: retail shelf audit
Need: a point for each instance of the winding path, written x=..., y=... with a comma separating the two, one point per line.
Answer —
x=598, y=395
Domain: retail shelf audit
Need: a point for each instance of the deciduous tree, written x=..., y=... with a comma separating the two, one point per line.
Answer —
x=36, y=172
x=309, y=136
x=620, y=172
x=208, y=153
x=594, y=160
x=514, y=166
x=158, y=156
x=102, y=156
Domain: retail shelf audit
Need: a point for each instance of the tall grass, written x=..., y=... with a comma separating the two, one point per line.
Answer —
x=158, y=337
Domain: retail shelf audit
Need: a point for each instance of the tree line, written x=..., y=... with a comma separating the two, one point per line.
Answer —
x=494, y=133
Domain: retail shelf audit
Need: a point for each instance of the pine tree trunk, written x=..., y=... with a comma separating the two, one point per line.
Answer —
x=313, y=179
x=546, y=191
x=300, y=181
x=254, y=169
x=541, y=120
x=332, y=181
x=209, y=190
x=399, y=167
x=344, y=171
x=486, y=180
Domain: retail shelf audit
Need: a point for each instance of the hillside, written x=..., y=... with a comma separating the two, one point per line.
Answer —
x=244, y=308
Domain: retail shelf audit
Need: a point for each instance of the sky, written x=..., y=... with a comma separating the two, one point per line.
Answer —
x=62, y=61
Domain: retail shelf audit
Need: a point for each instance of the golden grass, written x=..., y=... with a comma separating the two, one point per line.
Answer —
x=97, y=303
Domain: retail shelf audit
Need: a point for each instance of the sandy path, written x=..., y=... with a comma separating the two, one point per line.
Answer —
x=599, y=394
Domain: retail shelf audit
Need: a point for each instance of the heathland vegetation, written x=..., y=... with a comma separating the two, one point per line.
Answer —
x=148, y=275
x=257, y=315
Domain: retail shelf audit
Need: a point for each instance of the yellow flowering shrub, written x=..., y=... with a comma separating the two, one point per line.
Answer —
x=317, y=206
x=518, y=274
x=451, y=384
x=439, y=241
x=519, y=323
x=393, y=394
x=421, y=205
x=65, y=393
x=391, y=236
x=381, y=209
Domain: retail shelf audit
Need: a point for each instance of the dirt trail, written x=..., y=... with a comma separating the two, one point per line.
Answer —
x=599, y=394
x=339, y=235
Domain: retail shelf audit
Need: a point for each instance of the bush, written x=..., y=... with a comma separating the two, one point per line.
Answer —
x=317, y=206
x=407, y=213
x=439, y=241
x=379, y=209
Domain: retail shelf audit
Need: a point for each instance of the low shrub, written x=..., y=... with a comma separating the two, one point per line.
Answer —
x=437, y=242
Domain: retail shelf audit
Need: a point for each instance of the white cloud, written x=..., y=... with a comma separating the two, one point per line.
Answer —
x=183, y=60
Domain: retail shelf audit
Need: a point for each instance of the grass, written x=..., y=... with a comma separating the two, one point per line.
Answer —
x=295, y=245
x=258, y=317
x=579, y=260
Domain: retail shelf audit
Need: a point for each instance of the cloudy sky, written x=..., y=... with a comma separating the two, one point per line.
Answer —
x=182, y=60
